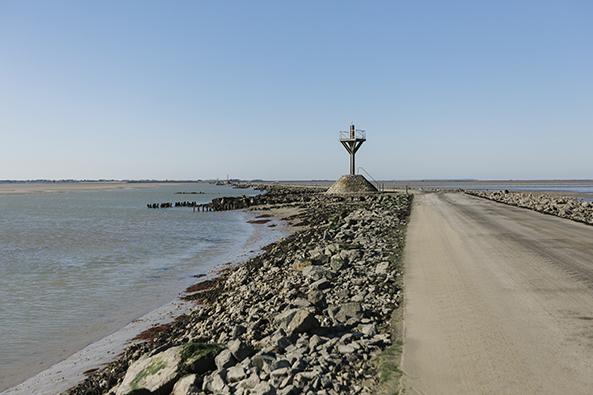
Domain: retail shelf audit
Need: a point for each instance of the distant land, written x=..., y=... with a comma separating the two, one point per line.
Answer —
x=411, y=181
x=66, y=181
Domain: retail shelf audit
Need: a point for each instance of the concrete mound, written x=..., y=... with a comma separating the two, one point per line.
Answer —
x=352, y=184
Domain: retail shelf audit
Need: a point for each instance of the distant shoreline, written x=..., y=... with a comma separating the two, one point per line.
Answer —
x=35, y=187
x=296, y=181
x=30, y=186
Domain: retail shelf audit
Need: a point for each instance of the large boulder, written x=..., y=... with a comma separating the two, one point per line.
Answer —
x=294, y=321
x=302, y=321
x=152, y=375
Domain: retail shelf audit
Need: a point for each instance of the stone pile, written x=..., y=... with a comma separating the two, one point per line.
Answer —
x=565, y=207
x=352, y=184
x=308, y=315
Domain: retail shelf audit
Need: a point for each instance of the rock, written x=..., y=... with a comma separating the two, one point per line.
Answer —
x=263, y=361
x=279, y=341
x=288, y=390
x=318, y=257
x=280, y=363
x=369, y=330
x=238, y=330
x=359, y=297
x=316, y=297
x=284, y=317
x=186, y=386
x=347, y=311
x=155, y=374
x=249, y=382
x=382, y=268
x=215, y=383
x=302, y=321
x=350, y=255
x=314, y=341
x=337, y=263
x=380, y=339
x=345, y=349
x=300, y=302
x=320, y=284
x=263, y=388
x=199, y=357
x=240, y=350
x=315, y=272
x=299, y=364
x=279, y=372
x=236, y=373
x=224, y=360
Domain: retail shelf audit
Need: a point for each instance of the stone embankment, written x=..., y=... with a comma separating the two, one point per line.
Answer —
x=275, y=195
x=279, y=195
x=565, y=207
x=309, y=315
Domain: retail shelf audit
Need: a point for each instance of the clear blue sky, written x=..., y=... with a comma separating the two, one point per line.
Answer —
x=200, y=89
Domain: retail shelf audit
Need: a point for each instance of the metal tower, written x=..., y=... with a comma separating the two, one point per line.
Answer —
x=352, y=140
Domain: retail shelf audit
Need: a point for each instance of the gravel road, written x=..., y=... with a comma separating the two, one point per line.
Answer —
x=499, y=300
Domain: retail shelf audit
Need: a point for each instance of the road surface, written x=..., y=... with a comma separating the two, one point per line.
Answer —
x=499, y=300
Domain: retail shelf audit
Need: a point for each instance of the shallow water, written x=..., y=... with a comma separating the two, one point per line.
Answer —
x=77, y=265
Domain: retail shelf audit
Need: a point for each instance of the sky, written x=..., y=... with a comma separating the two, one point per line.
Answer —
x=260, y=89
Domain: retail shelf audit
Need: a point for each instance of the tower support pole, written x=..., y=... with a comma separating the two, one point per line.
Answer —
x=352, y=144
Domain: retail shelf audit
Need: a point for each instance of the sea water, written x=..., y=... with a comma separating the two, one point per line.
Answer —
x=77, y=265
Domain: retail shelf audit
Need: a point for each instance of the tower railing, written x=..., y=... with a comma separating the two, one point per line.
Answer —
x=358, y=135
x=377, y=184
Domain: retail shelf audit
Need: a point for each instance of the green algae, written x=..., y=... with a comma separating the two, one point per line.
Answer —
x=151, y=369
